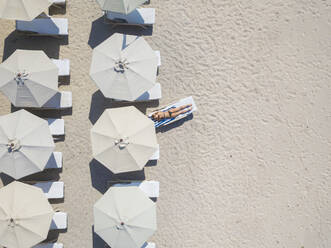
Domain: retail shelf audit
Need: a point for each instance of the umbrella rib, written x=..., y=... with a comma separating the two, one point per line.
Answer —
x=140, y=213
x=32, y=216
x=139, y=60
x=26, y=12
x=40, y=85
x=17, y=241
x=37, y=126
x=36, y=146
x=130, y=235
x=140, y=130
x=28, y=231
x=29, y=160
x=141, y=79
x=3, y=131
x=137, y=73
x=106, y=148
x=17, y=94
x=99, y=133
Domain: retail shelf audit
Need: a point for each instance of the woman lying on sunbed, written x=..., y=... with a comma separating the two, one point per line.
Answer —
x=171, y=113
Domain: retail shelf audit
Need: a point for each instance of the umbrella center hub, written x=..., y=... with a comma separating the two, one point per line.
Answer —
x=121, y=226
x=20, y=78
x=11, y=222
x=13, y=145
x=122, y=143
x=121, y=65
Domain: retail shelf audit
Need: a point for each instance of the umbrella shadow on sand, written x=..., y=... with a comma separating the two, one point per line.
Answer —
x=46, y=175
x=100, y=31
x=102, y=178
x=99, y=104
x=16, y=40
x=97, y=241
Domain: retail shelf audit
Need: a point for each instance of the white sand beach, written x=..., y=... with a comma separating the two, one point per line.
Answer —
x=252, y=168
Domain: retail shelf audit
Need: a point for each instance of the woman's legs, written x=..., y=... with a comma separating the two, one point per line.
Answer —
x=178, y=109
x=183, y=111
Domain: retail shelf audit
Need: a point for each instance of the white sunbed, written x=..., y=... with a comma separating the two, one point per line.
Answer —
x=49, y=245
x=158, y=54
x=61, y=100
x=150, y=188
x=59, y=221
x=59, y=3
x=156, y=155
x=63, y=65
x=184, y=101
x=52, y=190
x=140, y=17
x=56, y=126
x=55, y=161
x=44, y=26
x=149, y=245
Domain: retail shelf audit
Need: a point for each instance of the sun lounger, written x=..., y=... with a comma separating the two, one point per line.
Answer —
x=158, y=54
x=149, y=245
x=142, y=17
x=63, y=65
x=150, y=188
x=156, y=155
x=59, y=3
x=56, y=126
x=59, y=221
x=185, y=101
x=49, y=245
x=55, y=161
x=61, y=100
x=44, y=27
x=52, y=190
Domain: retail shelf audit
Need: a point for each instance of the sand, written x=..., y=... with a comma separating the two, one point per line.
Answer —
x=252, y=168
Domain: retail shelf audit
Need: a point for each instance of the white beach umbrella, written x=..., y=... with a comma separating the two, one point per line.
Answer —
x=123, y=139
x=29, y=78
x=25, y=215
x=124, y=67
x=125, y=217
x=26, y=144
x=25, y=10
x=120, y=6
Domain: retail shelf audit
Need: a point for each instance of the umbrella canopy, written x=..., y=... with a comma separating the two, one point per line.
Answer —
x=124, y=67
x=29, y=78
x=123, y=139
x=125, y=217
x=25, y=215
x=26, y=144
x=120, y=6
x=22, y=9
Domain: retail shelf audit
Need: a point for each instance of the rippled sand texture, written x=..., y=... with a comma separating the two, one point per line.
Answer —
x=252, y=168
